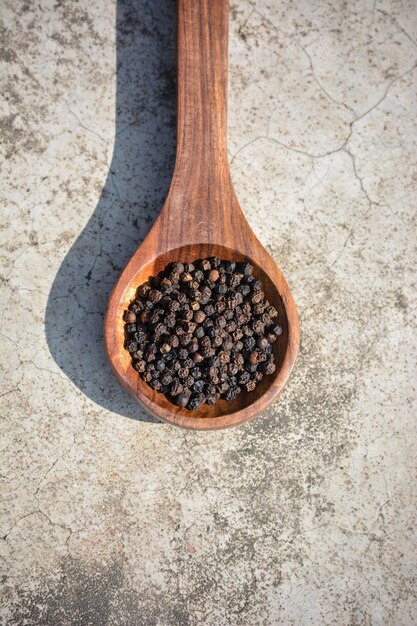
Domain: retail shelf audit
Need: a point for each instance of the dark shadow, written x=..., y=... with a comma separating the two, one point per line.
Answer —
x=132, y=197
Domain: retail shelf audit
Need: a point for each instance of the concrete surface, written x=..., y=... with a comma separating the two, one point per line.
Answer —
x=305, y=516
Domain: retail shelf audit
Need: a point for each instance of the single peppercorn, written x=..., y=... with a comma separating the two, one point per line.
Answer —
x=131, y=346
x=249, y=343
x=182, y=399
x=268, y=368
x=192, y=347
x=253, y=358
x=198, y=385
x=244, y=378
x=205, y=265
x=185, y=339
x=176, y=387
x=130, y=317
x=262, y=343
x=199, y=316
x=194, y=403
x=233, y=368
x=214, y=275
x=209, y=310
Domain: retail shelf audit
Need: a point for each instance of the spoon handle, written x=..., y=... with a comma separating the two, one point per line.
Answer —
x=201, y=203
x=202, y=86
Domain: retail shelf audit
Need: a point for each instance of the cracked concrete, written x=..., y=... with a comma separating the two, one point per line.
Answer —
x=305, y=516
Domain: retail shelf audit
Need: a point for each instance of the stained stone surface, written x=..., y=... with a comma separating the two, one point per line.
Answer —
x=305, y=516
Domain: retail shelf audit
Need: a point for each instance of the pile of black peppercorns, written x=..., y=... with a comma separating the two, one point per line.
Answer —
x=202, y=331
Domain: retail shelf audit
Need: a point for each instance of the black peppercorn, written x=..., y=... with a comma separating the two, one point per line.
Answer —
x=224, y=357
x=257, y=297
x=182, y=399
x=160, y=365
x=167, y=379
x=198, y=385
x=194, y=403
x=160, y=329
x=249, y=343
x=227, y=344
x=253, y=358
x=185, y=339
x=199, y=332
x=130, y=317
x=233, y=368
x=213, y=275
x=237, y=346
x=143, y=290
x=243, y=289
x=268, y=368
x=205, y=265
x=182, y=354
x=277, y=330
x=221, y=289
x=232, y=393
x=131, y=346
x=199, y=316
x=178, y=268
x=217, y=341
x=239, y=359
x=209, y=310
x=174, y=305
x=244, y=378
x=262, y=343
x=176, y=387
x=211, y=327
x=173, y=341
x=154, y=295
x=189, y=382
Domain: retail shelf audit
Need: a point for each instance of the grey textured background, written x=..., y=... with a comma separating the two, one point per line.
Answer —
x=305, y=516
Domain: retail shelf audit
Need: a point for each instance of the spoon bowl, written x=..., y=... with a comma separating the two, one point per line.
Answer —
x=224, y=413
x=202, y=218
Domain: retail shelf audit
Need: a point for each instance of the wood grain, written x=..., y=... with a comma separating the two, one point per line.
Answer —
x=202, y=217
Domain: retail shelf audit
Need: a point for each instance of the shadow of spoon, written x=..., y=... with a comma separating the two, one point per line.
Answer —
x=135, y=189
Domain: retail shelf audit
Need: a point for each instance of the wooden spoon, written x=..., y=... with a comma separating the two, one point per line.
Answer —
x=202, y=217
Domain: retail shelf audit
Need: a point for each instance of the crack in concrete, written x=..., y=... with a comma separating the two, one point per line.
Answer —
x=345, y=242
x=345, y=142
x=398, y=25
x=293, y=38
x=93, y=132
x=339, y=103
